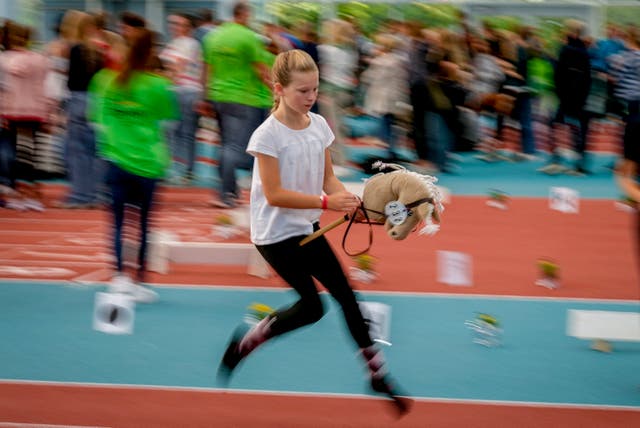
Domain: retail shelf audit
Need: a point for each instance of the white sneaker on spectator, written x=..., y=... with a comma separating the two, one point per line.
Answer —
x=33, y=205
x=16, y=204
x=144, y=294
x=121, y=283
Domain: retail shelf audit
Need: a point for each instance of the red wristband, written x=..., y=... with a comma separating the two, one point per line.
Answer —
x=325, y=202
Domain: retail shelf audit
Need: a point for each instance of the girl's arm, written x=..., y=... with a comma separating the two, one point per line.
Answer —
x=339, y=199
x=626, y=173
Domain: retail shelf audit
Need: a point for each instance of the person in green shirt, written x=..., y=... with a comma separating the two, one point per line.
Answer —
x=127, y=107
x=264, y=91
x=233, y=55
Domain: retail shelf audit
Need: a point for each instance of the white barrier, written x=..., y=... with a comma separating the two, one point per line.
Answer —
x=209, y=253
x=603, y=326
x=165, y=248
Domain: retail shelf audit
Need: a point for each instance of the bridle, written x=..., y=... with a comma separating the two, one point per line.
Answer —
x=397, y=215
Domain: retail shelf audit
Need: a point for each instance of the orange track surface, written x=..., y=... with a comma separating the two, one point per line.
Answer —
x=136, y=408
x=594, y=250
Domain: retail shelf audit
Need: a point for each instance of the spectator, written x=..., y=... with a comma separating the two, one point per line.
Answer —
x=387, y=81
x=338, y=65
x=602, y=54
x=129, y=23
x=417, y=67
x=234, y=54
x=83, y=166
x=113, y=45
x=204, y=24
x=57, y=50
x=572, y=82
x=128, y=106
x=628, y=90
x=182, y=58
x=23, y=109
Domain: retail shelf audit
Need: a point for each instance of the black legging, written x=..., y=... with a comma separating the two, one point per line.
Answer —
x=298, y=266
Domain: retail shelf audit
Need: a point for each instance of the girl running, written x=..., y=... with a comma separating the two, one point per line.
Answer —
x=293, y=181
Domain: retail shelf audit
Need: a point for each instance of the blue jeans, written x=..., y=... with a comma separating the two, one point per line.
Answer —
x=83, y=169
x=526, y=125
x=130, y=190
x=387, y=135
x=182, y=135
x=439, y=138
x=237, y=122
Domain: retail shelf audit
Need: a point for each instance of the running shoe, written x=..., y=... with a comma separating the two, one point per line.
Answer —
x=232, y=356
x=383, y=385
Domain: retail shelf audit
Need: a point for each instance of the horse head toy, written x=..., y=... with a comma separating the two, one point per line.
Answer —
x=402, y=200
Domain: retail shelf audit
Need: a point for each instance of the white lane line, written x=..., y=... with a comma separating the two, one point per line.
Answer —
x=417, y=294
x=98, y=257
x=51, y=221
x=26, y=263
x=282, y=288
x=95, y=240
x=37, y=246
x=613, y=407
x=45, y=232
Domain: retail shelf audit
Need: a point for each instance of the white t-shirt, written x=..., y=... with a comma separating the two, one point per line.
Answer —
x=301, y=158
x=186, y=53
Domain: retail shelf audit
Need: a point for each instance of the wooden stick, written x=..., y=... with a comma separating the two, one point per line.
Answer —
x=324, y=229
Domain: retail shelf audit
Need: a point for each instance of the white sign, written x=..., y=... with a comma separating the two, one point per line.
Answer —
x=564, y=200
x=378, y=317
x=454, y=268
x=113, y=313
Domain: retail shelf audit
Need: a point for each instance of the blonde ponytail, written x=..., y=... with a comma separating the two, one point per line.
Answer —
x=276, y=103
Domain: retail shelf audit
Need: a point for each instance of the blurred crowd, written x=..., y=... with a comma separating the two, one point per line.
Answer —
x=433, y=90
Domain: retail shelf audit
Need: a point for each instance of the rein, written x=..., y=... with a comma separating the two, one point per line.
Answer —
x=368, y=221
